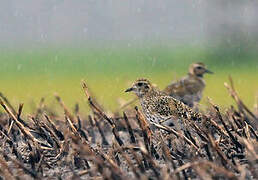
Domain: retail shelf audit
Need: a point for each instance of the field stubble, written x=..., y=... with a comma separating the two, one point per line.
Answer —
x=119, y=145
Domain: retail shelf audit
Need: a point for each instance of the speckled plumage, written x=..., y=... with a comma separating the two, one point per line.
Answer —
x=157, y=106
x=189, y=89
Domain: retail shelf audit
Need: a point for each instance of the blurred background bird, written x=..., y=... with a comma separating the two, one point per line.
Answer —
x=114, y=42
x=189, y=89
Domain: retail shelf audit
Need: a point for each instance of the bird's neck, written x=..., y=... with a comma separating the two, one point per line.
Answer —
x=197, y=79
x=152, y=93
x=199, y=76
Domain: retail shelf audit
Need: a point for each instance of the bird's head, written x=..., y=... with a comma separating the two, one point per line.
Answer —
x=198, y=69
x=140, y=87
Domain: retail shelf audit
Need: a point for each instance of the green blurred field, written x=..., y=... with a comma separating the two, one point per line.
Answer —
x=28, y=75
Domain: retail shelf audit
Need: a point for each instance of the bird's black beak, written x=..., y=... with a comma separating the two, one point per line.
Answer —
x=208, y=71
x=129, y=89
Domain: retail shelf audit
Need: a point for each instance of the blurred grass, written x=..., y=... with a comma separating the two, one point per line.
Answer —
x=29, y=74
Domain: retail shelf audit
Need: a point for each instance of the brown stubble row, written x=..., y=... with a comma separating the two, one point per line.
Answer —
x=124, y=145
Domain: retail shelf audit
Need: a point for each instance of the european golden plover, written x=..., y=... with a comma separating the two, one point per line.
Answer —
x=157, y=106
x=189, y=89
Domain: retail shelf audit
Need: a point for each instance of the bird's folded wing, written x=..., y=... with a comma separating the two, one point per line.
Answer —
x=176, y=88
x=164, y=107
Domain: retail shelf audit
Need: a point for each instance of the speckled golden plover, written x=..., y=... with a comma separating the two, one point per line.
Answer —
x=157, y=106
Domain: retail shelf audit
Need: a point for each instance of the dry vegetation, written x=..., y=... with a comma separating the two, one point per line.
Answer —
x=100, y=146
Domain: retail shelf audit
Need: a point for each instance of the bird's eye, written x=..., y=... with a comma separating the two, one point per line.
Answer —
x=140, y=84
